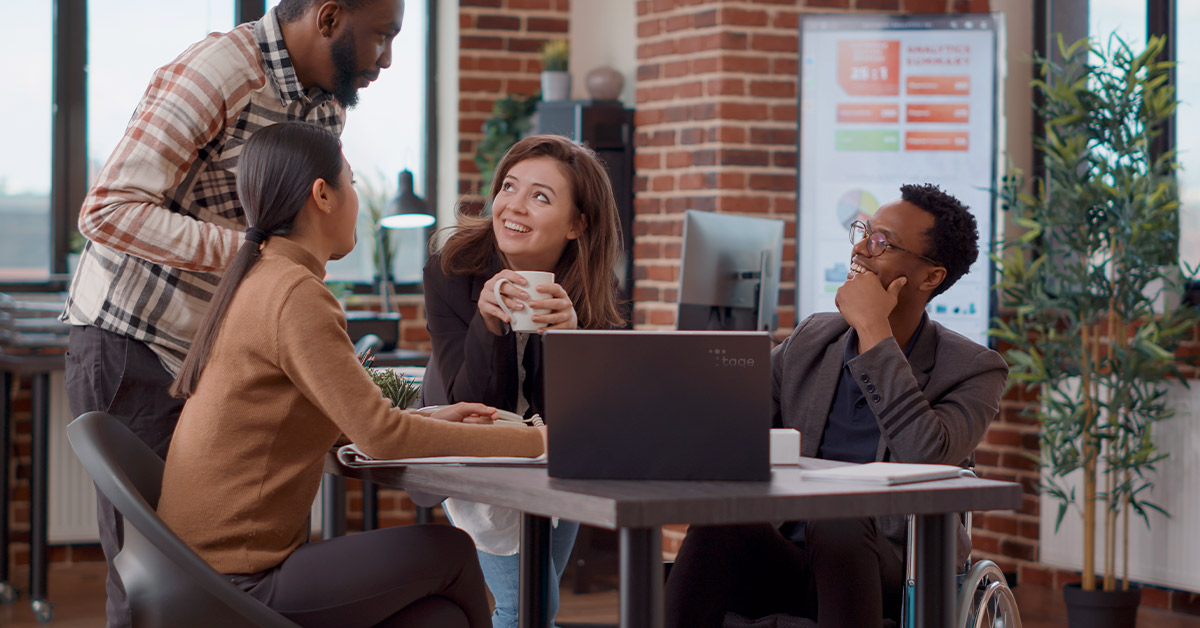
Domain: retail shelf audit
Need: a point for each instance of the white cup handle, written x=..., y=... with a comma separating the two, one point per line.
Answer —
x=500, y=298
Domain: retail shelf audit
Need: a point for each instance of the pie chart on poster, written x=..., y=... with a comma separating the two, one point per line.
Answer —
x=856, y=205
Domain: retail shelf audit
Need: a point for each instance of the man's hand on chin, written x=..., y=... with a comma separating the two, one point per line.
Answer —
x=866, y=305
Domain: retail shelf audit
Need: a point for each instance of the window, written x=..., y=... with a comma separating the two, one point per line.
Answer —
x=1187, y=126
x=127, y=41
x=385, y=134
x=1129, y=20
x=25, y=167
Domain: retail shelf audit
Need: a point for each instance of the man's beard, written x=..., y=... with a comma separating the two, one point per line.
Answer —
x=345, y=74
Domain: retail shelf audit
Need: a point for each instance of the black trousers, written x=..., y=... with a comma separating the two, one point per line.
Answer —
x=123, y=377
x=418, y=576
x=845, y=573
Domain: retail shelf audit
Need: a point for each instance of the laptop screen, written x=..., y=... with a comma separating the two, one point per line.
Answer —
x=658, y=404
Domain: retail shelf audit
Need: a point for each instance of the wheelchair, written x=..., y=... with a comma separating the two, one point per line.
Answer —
x=983, y=600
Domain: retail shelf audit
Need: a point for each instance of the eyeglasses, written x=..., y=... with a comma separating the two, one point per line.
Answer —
x=877, y=243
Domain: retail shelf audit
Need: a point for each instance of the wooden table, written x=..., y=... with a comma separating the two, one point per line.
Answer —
x=638, y=509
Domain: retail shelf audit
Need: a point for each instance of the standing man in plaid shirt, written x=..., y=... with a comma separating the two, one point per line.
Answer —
x=163, y=218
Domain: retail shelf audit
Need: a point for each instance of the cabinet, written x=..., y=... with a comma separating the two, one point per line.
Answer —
x=605, y=126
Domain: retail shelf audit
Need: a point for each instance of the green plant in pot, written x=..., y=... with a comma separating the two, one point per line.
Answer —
x=1087, y=281
x=509, y=123
x=400, y=390
x=556, y=80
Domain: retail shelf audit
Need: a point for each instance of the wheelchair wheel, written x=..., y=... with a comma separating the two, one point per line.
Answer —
x=986, y=600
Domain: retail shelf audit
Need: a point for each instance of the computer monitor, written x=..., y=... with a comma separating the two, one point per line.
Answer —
x=729, y=277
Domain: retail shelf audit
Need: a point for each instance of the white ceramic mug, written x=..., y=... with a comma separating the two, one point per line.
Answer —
x=522, y=319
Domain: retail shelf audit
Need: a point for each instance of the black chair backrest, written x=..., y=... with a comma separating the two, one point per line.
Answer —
x=167, y=583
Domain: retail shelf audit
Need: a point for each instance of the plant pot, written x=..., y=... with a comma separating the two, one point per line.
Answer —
x=556, y=85
x=1101, y=609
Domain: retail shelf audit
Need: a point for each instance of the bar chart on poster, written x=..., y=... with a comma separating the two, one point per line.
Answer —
x=889, y=100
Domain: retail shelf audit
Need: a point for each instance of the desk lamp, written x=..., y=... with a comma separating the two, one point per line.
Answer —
x=406, y=211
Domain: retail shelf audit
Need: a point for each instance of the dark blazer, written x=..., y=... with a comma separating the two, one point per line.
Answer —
x=470, y=363
x=932, y=407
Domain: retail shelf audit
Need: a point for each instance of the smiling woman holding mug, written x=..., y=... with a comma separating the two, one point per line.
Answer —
x=553, y=212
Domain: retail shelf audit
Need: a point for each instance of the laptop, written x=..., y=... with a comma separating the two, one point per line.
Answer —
x=658, y=405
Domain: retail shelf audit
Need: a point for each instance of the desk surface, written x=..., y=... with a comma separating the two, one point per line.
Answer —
x=648, y=503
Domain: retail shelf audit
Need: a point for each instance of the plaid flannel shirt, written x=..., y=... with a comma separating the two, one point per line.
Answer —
x=163, y=218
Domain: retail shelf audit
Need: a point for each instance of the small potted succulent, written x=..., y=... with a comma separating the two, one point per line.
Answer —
x=556, y=80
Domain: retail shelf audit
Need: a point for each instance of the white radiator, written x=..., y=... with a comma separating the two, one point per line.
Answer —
x=71, y=512
x=1168, y=552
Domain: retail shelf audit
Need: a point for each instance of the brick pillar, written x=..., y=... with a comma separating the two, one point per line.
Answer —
x=716, y=120
x=499, y=45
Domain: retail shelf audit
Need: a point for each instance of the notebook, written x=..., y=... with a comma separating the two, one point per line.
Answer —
x=885, y=473
x=663, y=405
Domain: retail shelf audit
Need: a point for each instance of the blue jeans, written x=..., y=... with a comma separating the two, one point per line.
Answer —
x=502, y=574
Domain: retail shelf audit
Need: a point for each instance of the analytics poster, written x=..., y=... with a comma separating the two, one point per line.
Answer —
x=887, y=100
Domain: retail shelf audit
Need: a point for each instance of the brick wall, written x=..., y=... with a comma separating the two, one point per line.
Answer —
x=499, y=42
x=716, y=126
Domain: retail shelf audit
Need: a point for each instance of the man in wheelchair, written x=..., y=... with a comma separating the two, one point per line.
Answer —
x=878, y=380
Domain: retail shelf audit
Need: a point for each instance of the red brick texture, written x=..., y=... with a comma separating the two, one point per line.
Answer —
x=499, y=42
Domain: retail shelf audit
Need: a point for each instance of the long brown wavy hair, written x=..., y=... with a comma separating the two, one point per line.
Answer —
x=275, y=174
x=585, y=269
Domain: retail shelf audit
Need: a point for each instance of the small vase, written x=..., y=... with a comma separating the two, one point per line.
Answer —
x=1101, y=609
x=556, y=86
x=604, y=83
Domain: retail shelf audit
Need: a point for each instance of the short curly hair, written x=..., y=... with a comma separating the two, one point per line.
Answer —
x=954, y=238
x=289, y=11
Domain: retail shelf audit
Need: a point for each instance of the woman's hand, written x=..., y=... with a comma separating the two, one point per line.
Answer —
x=493, y=315
x=463, y=412
x=562, y=311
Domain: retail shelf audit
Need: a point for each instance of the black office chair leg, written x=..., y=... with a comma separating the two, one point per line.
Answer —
x=424, y=514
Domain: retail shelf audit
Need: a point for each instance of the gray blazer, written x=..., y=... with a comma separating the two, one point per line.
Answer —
x=932, y=407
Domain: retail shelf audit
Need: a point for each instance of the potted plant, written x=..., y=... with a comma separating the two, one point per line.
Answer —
x=402, y=391
x=556, y=81
x=510, y=121
x=1088, y=330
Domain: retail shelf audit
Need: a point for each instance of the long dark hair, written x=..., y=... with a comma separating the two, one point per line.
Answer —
x=585, y=269
x=275, y=175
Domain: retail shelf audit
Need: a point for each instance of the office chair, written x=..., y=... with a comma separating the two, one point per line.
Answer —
x=167, y=583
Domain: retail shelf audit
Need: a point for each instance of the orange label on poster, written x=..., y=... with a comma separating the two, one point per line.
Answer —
x=869, y=67
x=936, y=140
x=862, y=113
x=938, y=85
x=937, y=113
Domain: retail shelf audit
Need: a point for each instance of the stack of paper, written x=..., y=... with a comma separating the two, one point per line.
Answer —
x=886, y=473
x=351, y=456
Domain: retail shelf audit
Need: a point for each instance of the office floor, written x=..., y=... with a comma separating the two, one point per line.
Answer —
x=77, y=592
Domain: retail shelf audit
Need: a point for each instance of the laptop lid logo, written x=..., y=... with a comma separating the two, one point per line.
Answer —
x=721, y=359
